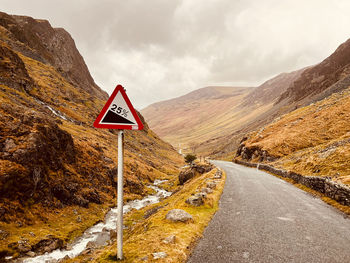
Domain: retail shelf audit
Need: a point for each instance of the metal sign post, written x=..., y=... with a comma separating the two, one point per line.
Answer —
x=118, y=113
x=120, y=197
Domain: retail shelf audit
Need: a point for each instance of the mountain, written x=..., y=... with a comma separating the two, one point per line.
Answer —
x=313, y=136
x=57, y=172
x=321, y=80
x=196, y=116
x=312, y=140
x=207, y=119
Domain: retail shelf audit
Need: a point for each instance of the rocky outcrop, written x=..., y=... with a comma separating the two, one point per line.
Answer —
x=316, y=79
x=37, y=39
x=191, y=172
x=338, y=192
x=254, y=152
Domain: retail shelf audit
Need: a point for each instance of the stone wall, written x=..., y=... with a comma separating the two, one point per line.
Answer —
x=324, y=185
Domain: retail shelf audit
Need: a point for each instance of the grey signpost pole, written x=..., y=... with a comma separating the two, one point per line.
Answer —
x=120, y=197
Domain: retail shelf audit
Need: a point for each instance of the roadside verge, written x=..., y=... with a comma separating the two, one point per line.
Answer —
x=152, y=236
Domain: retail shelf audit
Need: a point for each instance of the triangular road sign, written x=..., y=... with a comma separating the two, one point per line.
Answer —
x=118, y=113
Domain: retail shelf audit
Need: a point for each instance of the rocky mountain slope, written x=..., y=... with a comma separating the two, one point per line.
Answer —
x=57, y=172
x=314, y=139
x=214, y=118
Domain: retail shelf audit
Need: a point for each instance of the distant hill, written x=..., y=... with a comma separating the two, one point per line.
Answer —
x=207, y=119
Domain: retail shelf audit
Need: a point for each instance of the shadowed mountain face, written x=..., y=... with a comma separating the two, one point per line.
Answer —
x=36, y=39
x=320, y=80
x=52, y=161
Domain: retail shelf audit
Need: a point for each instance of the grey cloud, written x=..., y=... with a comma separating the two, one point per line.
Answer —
x=161, y=49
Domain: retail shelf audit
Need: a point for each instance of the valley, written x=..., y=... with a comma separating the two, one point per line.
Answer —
x=58, y=174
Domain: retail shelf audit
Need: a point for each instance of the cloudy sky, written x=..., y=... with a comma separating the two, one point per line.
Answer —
x=160, y=49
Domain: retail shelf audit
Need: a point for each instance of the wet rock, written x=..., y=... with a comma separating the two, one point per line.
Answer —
x=47, y=245
x=178, y=215
x=30, y=254
x=169, y=240
x=195, y=200
x=211, y=185
x=113, y=234
x=91, y=245
x=158, y=255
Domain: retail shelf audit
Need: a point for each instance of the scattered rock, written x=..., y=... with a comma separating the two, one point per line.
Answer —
x=159, y=255
x=178, y=215
x=91, y=244
x=144, y=258
x=206, y=190
x=211, y=185
x=201, y=194
x=169, y=240
x=195, y=200
x=3, y=234
x=151, y=211
x=184, y=176
x=75, y=211
x=32, y=234
x=30, y=254
x=79, y=219
x=47, y=245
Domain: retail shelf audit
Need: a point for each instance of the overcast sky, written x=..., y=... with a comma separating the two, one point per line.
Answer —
x=160, y=49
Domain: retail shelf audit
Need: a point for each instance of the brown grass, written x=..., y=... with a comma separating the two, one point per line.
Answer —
x=144, y=237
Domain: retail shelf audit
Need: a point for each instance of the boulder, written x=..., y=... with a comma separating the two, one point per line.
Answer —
x=178, y=215
x=47, y=245
x=195, y=200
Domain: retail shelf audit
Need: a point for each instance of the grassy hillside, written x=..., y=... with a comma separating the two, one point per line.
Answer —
x=312, y=140
x=212, y=120
x=54, y=166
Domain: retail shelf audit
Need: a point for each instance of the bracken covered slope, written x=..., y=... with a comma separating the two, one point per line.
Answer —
x=312, y=140
x=52, y=161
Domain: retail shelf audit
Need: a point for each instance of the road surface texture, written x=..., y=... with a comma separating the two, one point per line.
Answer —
x=265, y=219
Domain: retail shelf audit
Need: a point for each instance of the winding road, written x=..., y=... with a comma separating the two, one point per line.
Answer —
x=265, y=219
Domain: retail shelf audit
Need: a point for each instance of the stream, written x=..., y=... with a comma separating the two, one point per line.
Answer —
x=99, y=234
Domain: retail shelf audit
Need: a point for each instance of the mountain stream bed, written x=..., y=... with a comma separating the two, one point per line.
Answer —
x=100, y=233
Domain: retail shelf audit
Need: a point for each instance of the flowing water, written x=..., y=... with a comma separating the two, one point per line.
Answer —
x=99, y=234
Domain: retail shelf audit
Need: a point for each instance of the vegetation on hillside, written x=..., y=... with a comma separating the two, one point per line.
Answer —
x=312, y=140
x=54, y=166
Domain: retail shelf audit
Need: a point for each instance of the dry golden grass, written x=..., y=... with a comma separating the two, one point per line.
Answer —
x=145, y=236
x=313, y=140
x=146, y=156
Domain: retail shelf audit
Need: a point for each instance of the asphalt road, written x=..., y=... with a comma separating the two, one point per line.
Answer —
x=265, y=219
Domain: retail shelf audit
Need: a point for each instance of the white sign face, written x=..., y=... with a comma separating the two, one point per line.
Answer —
x=118, y=112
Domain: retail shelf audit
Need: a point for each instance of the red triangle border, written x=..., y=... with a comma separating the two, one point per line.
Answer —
x=97, y=123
